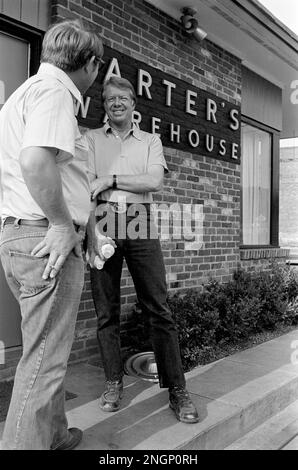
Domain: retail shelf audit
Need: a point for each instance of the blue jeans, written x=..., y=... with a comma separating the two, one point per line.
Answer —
x=36, y=418
x=145, y=263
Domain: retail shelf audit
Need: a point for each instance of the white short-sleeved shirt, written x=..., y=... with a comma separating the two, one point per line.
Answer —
x=41, y=113
x=110, y=155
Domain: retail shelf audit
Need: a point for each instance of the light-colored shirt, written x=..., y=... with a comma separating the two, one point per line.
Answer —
x=41, y=113
x=110, y=155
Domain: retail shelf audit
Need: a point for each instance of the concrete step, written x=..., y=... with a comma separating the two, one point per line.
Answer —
x=233, y=395
x=292, y=445
x=277, y=433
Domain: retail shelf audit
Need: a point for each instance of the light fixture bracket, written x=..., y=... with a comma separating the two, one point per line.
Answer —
x=190, y=24
x=188, y=11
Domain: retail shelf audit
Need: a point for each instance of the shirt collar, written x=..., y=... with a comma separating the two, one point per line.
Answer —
x=135, y=131
x=52, y=70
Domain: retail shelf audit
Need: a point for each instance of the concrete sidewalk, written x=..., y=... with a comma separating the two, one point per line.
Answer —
x=234, y=395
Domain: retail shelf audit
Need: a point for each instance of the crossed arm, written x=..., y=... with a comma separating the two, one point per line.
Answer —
x=146, y=182
x=151, y=181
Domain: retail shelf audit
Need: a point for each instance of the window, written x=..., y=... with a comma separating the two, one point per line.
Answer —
x=13, y=33
x=12, y=72
x=256, y=176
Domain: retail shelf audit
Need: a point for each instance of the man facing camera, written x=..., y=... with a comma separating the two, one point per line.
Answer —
x=127, y=165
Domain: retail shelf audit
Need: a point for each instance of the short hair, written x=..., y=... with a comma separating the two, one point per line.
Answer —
x=121, y=83
x=69, y=45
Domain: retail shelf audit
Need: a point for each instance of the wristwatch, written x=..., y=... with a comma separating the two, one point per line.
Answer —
x=114, y=182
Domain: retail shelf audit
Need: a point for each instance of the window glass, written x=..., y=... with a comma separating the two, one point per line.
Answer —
x=14, y=57
x=256, y=185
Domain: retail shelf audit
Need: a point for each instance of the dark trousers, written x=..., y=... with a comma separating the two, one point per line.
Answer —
x=145, y=263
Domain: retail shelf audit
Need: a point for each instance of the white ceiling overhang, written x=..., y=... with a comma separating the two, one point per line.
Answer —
x=249, y=31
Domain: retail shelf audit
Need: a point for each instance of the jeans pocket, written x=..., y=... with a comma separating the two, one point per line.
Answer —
x=27, y=271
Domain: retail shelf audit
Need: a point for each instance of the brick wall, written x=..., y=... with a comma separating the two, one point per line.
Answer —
x=261, y=259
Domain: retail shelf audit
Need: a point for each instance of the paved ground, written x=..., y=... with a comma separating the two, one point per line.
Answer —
x=234, y=396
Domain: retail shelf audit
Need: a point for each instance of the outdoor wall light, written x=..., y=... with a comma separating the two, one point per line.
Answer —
x=190, y=24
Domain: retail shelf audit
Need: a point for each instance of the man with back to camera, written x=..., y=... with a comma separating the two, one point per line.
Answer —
x=45, y=208
x=128, y=164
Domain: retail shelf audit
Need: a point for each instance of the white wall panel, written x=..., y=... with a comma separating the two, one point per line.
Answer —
x=32, y=12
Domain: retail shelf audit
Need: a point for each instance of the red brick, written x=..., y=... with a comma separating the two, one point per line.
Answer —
x=79, y=10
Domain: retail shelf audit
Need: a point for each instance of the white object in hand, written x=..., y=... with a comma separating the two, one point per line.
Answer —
x=107, y=251
x=98, y=262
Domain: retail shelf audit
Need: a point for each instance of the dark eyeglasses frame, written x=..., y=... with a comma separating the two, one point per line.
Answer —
x=101, y=62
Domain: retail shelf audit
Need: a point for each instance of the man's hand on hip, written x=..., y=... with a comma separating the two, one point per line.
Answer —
x=59, y=241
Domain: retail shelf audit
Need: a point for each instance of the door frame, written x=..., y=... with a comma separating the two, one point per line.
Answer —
x=32, y=35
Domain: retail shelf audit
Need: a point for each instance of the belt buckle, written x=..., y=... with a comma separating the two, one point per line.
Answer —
x=119, y=207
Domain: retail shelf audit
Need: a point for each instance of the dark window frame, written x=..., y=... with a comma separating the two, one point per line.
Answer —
x=274, y=200
x=28, y=33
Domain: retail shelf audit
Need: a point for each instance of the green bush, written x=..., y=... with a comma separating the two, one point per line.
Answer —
x=290, y=315
x=250, y=303
x=228, y=313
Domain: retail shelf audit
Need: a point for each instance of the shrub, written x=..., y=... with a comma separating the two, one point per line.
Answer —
x=227, y=313
x=290, y=315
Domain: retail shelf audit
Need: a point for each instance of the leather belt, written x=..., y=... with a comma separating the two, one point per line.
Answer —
x=36, y=223
x=121, y=207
